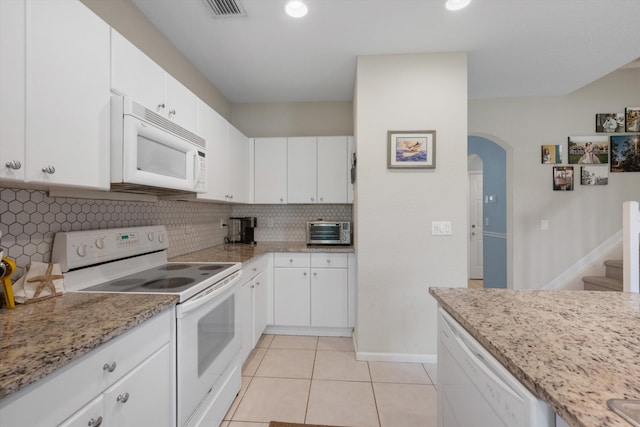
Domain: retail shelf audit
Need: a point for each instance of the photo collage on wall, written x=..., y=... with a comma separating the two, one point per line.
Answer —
x=600, y=154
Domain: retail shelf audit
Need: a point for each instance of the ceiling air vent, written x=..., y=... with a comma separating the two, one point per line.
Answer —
x=225, y=8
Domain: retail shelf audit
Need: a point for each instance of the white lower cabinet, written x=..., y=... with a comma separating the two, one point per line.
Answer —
x=254, y=303
x=129, y=381
x=311, y=290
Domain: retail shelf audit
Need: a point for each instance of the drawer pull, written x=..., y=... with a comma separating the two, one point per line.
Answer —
x=122, y=398
x=95, y=422
x=109, y=367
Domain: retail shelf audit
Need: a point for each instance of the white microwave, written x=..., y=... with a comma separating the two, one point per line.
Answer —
x=150, y=154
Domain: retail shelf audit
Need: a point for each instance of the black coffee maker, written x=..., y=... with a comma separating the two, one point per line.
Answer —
x=241, y=229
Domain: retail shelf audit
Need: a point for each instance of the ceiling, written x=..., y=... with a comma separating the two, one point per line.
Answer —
x=516, y=48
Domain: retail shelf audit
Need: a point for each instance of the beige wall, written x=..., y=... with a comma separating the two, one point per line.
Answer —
x=398, y=258
x=579, y=220
x=294, y=119
x=129, y=21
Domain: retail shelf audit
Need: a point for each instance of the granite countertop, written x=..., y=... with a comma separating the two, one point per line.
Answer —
x=36, y=339
x=239, y=252
x=573, y=349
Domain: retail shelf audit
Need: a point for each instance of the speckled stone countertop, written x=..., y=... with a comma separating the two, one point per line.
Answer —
x=573, y=349
x=36, y=339
x=239, y=252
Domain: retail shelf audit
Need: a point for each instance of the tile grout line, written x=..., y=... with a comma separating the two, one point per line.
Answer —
x=373, y=391
x=306, y=409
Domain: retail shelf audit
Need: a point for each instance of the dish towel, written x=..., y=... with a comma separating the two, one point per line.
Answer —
x=41, y=281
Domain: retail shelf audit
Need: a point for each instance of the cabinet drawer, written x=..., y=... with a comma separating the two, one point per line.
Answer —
x=255, y=266
x=329, y=260
x=298, y=260
x=85, y=378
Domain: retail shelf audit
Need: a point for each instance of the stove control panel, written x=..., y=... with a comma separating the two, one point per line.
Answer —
x=75, y=249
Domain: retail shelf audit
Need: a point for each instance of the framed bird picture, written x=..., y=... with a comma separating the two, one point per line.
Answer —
x=411, y=149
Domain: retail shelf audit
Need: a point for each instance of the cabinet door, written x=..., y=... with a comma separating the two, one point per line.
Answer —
x=91, y=415
x=301, y=170
x=143, y=397
x=213, y=128
x=245, y=303
x=259, y=306
x=135, y=74
x=67, y=95
x=238, y=161
x=332, y=169
x=351, y=151
x=12, y=89
x=181, y=105
x=270, y=170
x=292, y=295
x=329, y=305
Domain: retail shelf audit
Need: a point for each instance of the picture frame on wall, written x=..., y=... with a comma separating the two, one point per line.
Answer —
x=551, y=154
x=610, y=123
x=563, y=178
x=632, y=119
x=411, y=149
x=588, y=149
x=594, y=175
x=625, y=153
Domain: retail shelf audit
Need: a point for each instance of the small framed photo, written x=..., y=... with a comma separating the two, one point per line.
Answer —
x=411, y=149
x=625, y=153
x=594, y=175
x=551, y=154
x=588, y=149
x=610, y=122
x=563, y=178
x=632, y=119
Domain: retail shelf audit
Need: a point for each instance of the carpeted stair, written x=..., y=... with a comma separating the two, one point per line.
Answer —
x=611, y=281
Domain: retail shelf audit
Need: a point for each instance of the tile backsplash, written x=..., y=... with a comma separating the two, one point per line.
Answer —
x=29, y=220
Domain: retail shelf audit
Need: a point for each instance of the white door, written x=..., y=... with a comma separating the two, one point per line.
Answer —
x=475, y=225
x=237, y=165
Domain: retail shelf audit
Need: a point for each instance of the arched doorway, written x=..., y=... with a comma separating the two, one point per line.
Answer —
x=495, y=202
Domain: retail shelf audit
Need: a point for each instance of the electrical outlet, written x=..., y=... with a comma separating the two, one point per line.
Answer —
x=544, y=224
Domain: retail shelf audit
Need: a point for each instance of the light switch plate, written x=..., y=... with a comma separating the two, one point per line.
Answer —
x=544, y=224
x=441, y=228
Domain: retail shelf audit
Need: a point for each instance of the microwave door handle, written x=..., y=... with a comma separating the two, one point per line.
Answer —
x=196, y=169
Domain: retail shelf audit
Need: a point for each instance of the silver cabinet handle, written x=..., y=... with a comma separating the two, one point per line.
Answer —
x=95, y=422
x=49, y=169
x=281, y=200
x=172, y=112
x=13, y=164
x=304, y=274
x=315, y=273
x=328, y=261
x=312, y=199
x=110, y=367
x=257, y=283
x=160, y=105
x=290, y=260
x=252, y=286
x=322, y=199
x=122, y=398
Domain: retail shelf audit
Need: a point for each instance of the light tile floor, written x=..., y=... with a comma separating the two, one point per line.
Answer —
x=317, y=380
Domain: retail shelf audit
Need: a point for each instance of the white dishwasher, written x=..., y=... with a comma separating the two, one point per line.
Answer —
x=475, y=390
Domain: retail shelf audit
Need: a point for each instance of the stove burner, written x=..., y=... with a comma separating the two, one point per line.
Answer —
x=170, y=283
x=169, y=267
x=212, y=267
x=126, y=282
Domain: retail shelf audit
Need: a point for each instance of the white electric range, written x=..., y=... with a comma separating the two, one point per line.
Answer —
x=134, y=260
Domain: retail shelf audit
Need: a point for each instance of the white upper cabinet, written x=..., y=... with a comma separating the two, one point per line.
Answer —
x=302, y=170
x=12, y=96
x=213, y=128
x=67, y=95
x=333, y=171
x=238, y=164
x=134, y=74
x=270, y=170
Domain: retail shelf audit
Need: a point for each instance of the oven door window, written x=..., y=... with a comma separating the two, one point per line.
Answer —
x=215, y=332
x=161, y=159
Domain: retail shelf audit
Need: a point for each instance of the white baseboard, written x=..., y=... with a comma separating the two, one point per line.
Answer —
x=308, y=330
x=396, y=357
x=591, y=264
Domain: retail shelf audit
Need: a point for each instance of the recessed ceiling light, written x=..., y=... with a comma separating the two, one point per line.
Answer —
x=457, y=4
x=296, y=8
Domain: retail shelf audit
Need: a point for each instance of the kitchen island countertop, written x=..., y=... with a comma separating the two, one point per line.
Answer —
x=38, y=338
x=240, y=252
x=572, y=349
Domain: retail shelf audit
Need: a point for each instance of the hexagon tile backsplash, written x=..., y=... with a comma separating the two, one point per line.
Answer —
x=29, y=220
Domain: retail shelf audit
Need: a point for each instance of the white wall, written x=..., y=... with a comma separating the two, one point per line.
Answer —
x=398, y=258
x=579, y=220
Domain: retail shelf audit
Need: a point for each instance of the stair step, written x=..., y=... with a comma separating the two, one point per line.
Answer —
x=601, y=283
x=613, y=268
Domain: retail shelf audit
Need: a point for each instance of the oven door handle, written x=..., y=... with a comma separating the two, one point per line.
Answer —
x=208, y=295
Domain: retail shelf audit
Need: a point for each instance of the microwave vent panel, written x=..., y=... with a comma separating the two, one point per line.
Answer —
x=165, y=124
x=225, y=8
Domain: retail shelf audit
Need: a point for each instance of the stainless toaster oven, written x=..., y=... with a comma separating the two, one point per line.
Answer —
x=328, y=233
